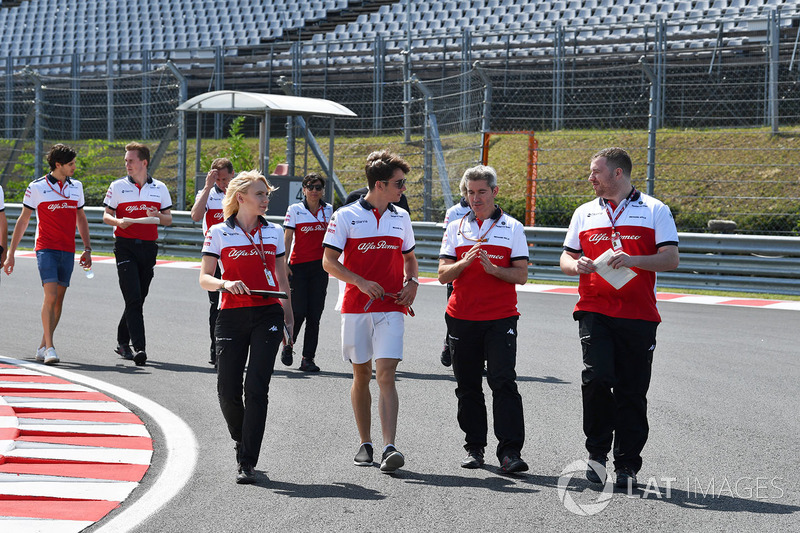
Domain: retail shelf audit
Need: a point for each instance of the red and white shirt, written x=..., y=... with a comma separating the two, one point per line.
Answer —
x=240, y=259
x=645, y=225
x=56, y=205
x=373, y=246
x=131, y=201
x=2, y=199
x=213, y=214
x=309, y=230
x=476, y=294
x=456, y=211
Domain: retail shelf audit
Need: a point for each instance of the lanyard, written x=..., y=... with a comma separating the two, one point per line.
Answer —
x=324, y=218
x=261, y=253
x=53, y=188
x=481, y=238
x=614, y=219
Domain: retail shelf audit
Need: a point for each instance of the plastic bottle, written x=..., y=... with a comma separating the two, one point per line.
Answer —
x=88, y=272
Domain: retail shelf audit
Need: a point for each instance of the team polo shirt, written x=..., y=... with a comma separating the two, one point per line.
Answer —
x=456, y=212
x=309, y=230
x=2, y=199
x=373, y=246
x=131, y=201
x=476, y=294
x=56, y=205
x=240, y=260
x=213, y=213
x=645, y=225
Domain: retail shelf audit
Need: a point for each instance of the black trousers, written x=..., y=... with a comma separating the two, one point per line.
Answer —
x=495, y=341
x=309, y=283
x=617, y=360
x=256, y=331
x=135, y=261
x=213, y=311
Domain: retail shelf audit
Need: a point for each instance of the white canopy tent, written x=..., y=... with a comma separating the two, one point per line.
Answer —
x=265, y=106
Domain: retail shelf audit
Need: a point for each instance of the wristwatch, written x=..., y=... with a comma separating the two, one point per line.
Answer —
x=415, y=280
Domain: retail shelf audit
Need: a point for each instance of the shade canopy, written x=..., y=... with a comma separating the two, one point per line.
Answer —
x=246, y=103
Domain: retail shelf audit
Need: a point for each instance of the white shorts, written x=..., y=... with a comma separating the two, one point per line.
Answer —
x=367, y=336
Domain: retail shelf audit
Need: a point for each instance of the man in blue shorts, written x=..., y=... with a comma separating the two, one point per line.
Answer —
x=58, y=202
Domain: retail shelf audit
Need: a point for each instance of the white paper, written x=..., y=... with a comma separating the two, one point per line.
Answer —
x=143, y=220
x=617, y=277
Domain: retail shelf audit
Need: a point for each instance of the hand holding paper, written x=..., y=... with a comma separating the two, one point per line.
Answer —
x=617, y=277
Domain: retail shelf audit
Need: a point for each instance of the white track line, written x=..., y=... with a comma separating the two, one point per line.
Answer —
x=180, y=444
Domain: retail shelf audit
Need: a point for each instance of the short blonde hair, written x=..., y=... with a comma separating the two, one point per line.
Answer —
x=240, y=184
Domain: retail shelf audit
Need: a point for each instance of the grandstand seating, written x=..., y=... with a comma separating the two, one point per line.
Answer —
x=94, y=27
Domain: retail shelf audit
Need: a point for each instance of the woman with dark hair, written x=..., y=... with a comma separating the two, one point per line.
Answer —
x=249, y=251
x=305, y=224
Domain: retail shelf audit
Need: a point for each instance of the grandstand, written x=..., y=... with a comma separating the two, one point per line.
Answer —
x=342, y=32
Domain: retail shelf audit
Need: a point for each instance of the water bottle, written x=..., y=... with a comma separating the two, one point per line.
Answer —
x=88, y=271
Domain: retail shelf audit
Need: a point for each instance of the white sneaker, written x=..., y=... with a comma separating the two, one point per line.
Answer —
x=40, y=354
x=50, y=357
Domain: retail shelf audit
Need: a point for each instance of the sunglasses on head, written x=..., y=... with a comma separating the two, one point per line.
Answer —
x=316, y=187
x=399, y=183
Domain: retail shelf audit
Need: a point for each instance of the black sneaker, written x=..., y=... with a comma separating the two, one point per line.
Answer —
x=364, y=455
x=594, y=470
x=124, y=351
x=246, y=475
x=513, y=463
x=286, y=355
x=140, y=358
x=392, y=460
x=626, y=478
x=446, y=358
x=474, y=458
x=307, y=365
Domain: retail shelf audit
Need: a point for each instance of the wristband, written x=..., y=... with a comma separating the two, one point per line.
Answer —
x=415, y=280
x=87, y=249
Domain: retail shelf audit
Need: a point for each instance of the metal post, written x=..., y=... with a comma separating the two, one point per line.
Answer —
x=38, y=140
x=329, y=190
x=182, y=141
x=774, y=52
x=265, y=150
x=466, y=64
x=559, y=54
x=110, y=97
x=219, y=85
x=651, y=127
x=297, y=69
x=428, y=170
x=198, y=137
x=290, y=154
x=487, y=100
x=145, y=94
x=406, y=95
x=75, y=96
x=9, y=97
x=379, y=53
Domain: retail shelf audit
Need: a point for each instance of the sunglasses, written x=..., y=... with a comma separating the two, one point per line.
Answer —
x=315, y=187
x=399, y=183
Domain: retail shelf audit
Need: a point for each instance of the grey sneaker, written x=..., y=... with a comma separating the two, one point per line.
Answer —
x=364, y=455
x=392, y=460
x=40, y=354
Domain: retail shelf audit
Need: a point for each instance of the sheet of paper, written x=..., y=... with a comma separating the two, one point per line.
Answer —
x=617, y=277
x=143, y=220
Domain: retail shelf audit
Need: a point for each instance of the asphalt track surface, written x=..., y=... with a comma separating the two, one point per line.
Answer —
x=723, y=406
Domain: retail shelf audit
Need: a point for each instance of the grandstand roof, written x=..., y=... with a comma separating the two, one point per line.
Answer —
x=245, y=103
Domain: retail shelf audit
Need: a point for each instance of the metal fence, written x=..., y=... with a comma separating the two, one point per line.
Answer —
x=750, y=263
x=713, y=130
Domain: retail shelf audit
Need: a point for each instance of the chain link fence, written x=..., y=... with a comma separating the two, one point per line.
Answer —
x=97, y=116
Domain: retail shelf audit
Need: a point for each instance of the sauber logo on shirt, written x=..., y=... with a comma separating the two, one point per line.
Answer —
x=132, y=208
x=365, y=247
x=599, y=237
x=307, y=229
x=62, y=205
x=236, y=254
x=354, y=222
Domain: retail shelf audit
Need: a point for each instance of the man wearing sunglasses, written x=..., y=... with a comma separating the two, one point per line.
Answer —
x=380, y=271
x=484, y=254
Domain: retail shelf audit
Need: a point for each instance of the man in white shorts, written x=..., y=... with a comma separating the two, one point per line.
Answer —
x=380, y=271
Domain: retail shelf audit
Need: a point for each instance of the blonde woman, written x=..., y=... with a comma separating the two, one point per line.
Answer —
x=249, y=252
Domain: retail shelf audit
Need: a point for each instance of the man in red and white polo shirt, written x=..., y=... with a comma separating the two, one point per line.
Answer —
x=380, y=272
x=208, y=208
x=617, y=326
x=135, y=205
x=484, y=254
x=58, y=202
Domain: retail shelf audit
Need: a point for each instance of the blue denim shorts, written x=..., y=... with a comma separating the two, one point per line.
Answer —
x=55, y=266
